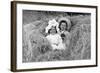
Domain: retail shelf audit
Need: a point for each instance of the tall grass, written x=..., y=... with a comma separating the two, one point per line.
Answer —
x=36, y=47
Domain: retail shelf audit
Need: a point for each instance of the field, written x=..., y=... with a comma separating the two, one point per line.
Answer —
x=36, y=48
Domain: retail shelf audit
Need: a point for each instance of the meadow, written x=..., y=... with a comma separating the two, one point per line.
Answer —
x=36, y=47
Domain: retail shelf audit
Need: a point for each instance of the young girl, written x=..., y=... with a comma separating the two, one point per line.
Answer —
x=53, y=37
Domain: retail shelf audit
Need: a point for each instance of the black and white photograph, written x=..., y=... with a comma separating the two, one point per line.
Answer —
x=54, y=36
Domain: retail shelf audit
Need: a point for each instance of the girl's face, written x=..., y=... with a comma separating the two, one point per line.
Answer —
x=63, y=26
x=53, y=30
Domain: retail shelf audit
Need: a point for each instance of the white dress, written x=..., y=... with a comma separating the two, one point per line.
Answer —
x=56, y=41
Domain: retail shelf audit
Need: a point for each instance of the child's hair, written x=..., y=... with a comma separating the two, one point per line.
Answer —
x=63, y=22
x=50, y=30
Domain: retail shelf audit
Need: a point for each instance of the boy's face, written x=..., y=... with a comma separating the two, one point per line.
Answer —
x=63, y=26
x=53, y=30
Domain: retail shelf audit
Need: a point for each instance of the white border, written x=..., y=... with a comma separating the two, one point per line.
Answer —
x=34, y=65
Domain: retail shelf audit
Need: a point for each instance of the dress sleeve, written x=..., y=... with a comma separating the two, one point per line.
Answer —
x=59, y=39
x=47, y=37
x=67, y=34
x=61, y=45
x=68, y=37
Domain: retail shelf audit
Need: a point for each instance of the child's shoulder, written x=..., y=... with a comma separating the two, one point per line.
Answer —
x=55, y=35
x=48, y=35
x=66, y=32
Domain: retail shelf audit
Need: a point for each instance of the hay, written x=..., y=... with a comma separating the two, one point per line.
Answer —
x=36, y=47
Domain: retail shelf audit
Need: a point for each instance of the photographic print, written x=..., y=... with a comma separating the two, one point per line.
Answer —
x=53, y=36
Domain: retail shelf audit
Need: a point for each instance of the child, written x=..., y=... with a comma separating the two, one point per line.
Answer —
x=53, y=37
x=64, y=26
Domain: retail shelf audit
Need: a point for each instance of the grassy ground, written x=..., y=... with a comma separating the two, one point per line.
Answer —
x=36, y=47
